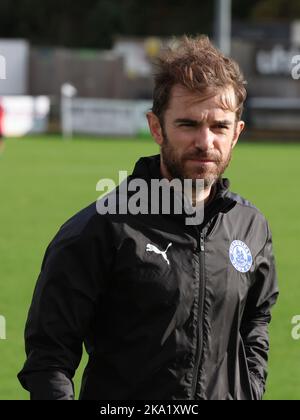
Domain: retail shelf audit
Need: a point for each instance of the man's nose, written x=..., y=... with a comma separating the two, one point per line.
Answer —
x=204, y=138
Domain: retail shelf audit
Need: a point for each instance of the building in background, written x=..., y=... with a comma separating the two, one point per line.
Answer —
x=16, y=54
x=20, y=113
x=266, y=53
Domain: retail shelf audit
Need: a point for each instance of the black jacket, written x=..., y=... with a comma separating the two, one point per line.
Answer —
x=187, y=324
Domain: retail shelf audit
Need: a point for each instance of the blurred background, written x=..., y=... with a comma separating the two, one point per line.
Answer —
x=82, y=70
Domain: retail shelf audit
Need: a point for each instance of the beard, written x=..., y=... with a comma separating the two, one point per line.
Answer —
x=176, y=165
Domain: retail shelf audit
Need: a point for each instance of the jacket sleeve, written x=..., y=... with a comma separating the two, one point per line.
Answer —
x=61, y=316
x=257, y=316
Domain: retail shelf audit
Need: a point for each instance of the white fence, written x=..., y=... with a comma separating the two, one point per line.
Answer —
x=106, y=117
x=24, y=115
x=274, y=113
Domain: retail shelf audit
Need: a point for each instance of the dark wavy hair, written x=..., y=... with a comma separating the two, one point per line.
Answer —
x=197, y=65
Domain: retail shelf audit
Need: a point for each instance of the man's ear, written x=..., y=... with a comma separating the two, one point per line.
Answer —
x=155, y=128
x=238, y=130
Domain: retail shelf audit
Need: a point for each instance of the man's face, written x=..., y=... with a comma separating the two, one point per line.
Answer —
x=197, y=136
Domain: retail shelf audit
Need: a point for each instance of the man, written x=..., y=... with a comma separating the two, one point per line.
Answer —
x=166, y=310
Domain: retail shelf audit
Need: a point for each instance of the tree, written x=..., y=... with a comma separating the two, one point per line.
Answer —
x=94, y=23
x=276, y=9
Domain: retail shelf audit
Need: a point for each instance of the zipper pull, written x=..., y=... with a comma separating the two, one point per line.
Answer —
x=202, y=242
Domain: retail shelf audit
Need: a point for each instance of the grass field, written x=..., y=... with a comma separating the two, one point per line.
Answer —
x=43, y=181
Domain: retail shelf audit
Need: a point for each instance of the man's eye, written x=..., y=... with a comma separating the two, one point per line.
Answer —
x=187, y=125
x=221, y=127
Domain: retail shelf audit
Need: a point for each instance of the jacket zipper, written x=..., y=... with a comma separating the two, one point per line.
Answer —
x=200, y=323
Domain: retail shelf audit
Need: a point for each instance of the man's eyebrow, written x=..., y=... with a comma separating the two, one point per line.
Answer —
x=195, y=122
x=187, y=121
x=223, y=122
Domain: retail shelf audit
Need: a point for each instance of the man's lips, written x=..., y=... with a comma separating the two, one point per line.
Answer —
x=202, y=160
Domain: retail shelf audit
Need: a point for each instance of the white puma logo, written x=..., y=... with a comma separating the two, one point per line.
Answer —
x=153, y=248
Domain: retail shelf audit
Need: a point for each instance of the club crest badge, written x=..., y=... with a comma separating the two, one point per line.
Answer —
x=240, y=256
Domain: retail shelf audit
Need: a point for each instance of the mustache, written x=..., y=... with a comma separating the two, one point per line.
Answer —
x=205, y=156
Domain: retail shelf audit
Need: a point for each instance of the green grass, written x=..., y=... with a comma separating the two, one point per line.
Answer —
x=43, y=181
